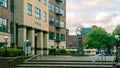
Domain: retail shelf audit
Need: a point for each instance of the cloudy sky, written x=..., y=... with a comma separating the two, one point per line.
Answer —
x=104, y=13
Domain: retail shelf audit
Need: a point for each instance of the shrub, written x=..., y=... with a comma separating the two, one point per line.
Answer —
x=52, y=51
x=12, y=52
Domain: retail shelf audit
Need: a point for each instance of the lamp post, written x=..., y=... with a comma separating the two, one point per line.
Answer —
x=6, y=39
x=117, y=44
x=54, y=41
x=79, y=32
x=27, y=41
x=36, y=44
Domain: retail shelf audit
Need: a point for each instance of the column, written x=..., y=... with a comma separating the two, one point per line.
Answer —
x=31, y=38
x=40, y=43
x=21, y=37
x=45, y=43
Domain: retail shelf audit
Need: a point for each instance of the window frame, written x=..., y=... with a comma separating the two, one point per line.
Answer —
x=29, y=9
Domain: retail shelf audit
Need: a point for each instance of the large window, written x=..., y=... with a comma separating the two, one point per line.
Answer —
x=62, y=12
x=37, y=13
x=44, y=16
x=29, y=9
x=44, y=2
x=57, y=9
x=4, y=3
x=3, y=25
x=63, y=1
x=51, y=7
x=62, y=37
x=51, y=21
x=51, y=35
x=62, y=24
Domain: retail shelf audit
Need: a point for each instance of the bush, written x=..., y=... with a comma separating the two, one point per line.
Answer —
x=52, y=51
x=11, y=52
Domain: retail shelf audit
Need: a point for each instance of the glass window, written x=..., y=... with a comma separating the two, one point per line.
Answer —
x=51, y=21
x=62, y=24
x=62, y=37
x=57, y=10
x=29, y=9
x=4, y=3
x=44, y=16
x=3, y=25
x=62, y=12
x=63, y=1
x=51, y=35
x=51, y=7
x=37, y=13
x=44, y=2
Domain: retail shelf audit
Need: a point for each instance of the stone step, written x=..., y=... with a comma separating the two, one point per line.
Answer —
x=72, y=63
x=34, y=60
x=62, y=66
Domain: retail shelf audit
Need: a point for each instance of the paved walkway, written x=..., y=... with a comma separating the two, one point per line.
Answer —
x=86, y=58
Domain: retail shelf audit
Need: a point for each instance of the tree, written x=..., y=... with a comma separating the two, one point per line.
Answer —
x=117, y=30
x=98, y=38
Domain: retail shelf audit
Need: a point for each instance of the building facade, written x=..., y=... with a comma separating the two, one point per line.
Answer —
x=57, y=23
x=4, y=22
x=31, y=24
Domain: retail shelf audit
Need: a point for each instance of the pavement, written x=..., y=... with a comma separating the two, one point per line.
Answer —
x=83, y=58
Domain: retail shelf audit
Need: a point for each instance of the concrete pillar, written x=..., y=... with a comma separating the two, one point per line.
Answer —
x=45, y=43
x=40, y=43
x=31, y=38
x=21, y=37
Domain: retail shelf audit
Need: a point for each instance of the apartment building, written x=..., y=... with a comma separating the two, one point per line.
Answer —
x=4, y=22
x=57, y=23
x=31, y=24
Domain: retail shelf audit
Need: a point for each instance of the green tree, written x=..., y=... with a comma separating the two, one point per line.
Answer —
x=116, y=31
x=98, y=38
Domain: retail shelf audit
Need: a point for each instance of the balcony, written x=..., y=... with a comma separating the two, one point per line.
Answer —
x=59, y=1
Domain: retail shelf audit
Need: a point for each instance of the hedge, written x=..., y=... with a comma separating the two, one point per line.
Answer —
x=11, y=52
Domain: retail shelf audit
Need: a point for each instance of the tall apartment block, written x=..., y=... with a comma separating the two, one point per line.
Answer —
x=57, y=23
x=31, y=23
x=4, y=22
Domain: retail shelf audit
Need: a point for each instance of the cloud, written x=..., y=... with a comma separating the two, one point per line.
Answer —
x=103, y=13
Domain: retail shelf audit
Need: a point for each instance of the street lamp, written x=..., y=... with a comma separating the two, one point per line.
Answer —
x=54, y=41
x=27, y=41
x=117, y=44
x=36, y=44
x=70, y=44
x=6, y=39
x=79, y=32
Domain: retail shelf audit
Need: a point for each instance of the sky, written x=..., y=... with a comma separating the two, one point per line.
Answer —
x=85, y=13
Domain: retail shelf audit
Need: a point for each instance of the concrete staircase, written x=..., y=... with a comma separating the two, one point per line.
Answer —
x=64, y=64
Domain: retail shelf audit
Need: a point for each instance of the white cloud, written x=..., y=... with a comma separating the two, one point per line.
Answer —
x=92, y=12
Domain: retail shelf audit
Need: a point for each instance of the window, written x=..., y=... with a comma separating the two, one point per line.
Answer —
x=44, y=16
x=1, y=45
x=62, y=37
x=51, y=35
x=3, y=25
x=29, y=9
x=38, y=0
x=57, y=10
x=62, y=12
x=51, y=7
x=37, y=13
x=44, y=2
x=62, y=24
x=51, y=21
x=4, y=3
x=63, y=1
